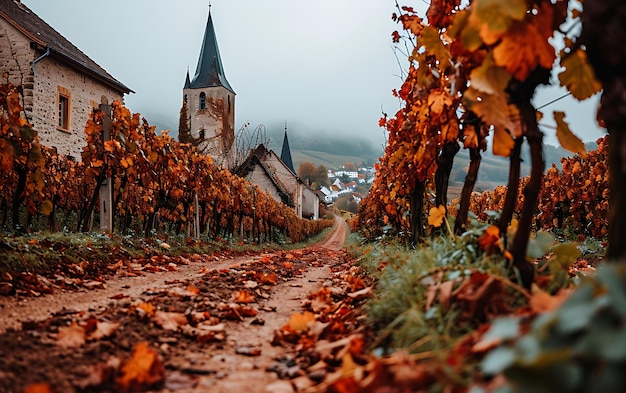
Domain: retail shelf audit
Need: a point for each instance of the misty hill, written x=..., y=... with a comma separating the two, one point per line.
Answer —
x=494, y=170
x=323, y=149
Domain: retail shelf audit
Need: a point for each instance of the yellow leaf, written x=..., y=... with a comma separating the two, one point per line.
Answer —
x=46, y=207
x=490, y=78
x=502, y=142
x=469, y=32
x=436, y=216
x=567, y=139
x=431, y=40
x=493, y=17
x=300, y=322
x=578, y=75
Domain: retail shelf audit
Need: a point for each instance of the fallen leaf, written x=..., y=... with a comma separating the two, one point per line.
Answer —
x=146, y=308
x=248, y=351
x=363, y=293
x=103, y=330
x=38, y=388
x=542, y=301
x=169, y=320
x=190, y=291
x=144, y=370
x=72, y=336
x=300, y=322
x=243, y=297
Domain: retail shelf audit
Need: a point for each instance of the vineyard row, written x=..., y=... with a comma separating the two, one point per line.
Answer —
x=157, y=181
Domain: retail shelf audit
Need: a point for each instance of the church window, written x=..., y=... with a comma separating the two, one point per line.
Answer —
x=203, y=100
x=229, y=103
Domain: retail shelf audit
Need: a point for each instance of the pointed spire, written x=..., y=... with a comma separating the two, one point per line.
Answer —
x=187, y=80
x=285, y=154
x=209, y=71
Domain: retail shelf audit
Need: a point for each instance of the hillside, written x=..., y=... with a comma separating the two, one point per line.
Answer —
x=331, y=151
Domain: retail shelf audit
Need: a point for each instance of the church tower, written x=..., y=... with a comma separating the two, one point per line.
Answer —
x=209, y=104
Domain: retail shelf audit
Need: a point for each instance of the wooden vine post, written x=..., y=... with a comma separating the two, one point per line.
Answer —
x=106, y=187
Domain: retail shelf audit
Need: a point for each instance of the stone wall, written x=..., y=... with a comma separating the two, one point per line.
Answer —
x=41, y=91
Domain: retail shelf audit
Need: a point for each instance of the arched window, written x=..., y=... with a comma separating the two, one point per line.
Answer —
x=203, y=100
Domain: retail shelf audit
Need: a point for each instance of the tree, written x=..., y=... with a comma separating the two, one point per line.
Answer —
x=322, y=176
x=307, y=171
x=317, y=176
x=349, y=166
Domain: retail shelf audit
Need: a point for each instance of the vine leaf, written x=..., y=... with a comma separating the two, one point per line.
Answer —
x=578, y=75
x=566, y=137
x=412, y=23
x=436, y=216
x=495, y=16
x=431, y=40
x=490, y=78
x=526, y=46
x=503, y=143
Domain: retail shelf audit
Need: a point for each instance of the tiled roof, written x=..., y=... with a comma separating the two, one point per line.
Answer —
x=43, y=37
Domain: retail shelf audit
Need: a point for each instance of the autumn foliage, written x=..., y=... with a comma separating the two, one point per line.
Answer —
x=473, y=68
x=158, y=183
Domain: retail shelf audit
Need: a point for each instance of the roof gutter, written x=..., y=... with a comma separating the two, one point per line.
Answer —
x=37, y=60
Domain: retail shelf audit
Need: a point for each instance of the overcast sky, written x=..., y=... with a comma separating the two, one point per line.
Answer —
x=324, y=66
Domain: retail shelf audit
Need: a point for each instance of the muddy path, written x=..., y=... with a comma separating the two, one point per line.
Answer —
x=241, y=302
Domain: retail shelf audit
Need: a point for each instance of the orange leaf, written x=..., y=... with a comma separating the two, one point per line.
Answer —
x=300, y=322
x=243, y=297
x=38, y=388
x=147, y=308
x=502, y=142
x=525, y=46
x=490, y=239
x=143, y=370
x=412, y=23
x=46, y=207
x=542, y=301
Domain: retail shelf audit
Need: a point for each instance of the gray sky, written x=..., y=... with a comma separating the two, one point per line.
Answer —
x=325, y=66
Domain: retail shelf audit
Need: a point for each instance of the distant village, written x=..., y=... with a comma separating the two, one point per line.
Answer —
x=347, y=183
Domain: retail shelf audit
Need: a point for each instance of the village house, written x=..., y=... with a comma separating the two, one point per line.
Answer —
x=277, y=176
x=61, y=85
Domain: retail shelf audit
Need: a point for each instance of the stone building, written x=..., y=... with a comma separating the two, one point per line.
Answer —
x=209, y=102
x=61, y=84
x=276, y=175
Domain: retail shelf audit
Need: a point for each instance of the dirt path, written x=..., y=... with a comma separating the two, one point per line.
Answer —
x=237, y=363
x=238, y=374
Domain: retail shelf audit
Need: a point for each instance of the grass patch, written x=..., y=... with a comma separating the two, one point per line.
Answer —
x=426, y=299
